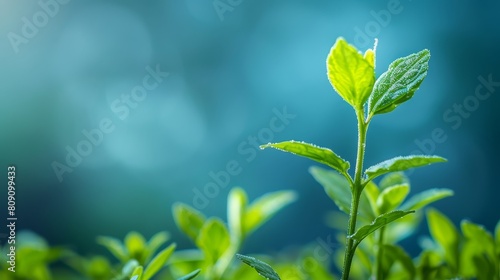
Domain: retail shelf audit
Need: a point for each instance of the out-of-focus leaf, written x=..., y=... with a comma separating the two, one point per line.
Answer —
x=115, y=246
x=394, y=178
x=445, y=234
x=391, y=197
x=265, y=207
x=480, y=237
x=425, y=198
x=130, y=266
x=236, y=206
x=135, y=244
x=213, y=239
x=335, y=186
x=189, y=220
x=398, y=254
x=158, y=262
x=137, y=273
x=372, y=192
x=154, y=244
x=191, y=275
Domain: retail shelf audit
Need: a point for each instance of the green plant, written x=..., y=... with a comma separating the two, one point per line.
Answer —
x=33, y=257
x=474, y=252
x=352, y=75
x=217, y=243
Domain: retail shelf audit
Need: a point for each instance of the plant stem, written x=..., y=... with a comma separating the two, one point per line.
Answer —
x=378, y=267
x=356, y=189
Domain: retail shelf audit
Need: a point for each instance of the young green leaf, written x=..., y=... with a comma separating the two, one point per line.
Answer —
x=370, y=56
x=191, y=275
x=130, y=266
x=189, y=220
x=213, y=239
x=115, y=246
x=154, y=243
x=135, y=244
x=398, y=254
x=424, y=198
x=372, y=192
x=400, y=164
x=137, y=273
x=264, y=208
x=379, y=222
x=321, y=155
x=393, y=178
x=405, y=227
x=350, y=74
x=391, y=197
x=480, y=237
x=445, y=234
x=261, y=267
x=336, y=187
x=398, y=83
x=158, y=262
x=236, y=207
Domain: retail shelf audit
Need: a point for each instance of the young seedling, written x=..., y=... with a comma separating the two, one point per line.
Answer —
x=352, y=75
x=217, y=242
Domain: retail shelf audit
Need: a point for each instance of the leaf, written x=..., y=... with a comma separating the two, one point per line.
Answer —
x=404, y=228
x=213, y=239
x=379, y=222
x=154, y=243
x=372, y=192
x=236, y=206
x=191, y=275
x=391, y=197
x=137, y=273
x=158, y=262
x=115, y=246
x=400, y=164
x=424, y=198
x=336, y=187
x=321, y=155
x=183, y=262
x=370, y=56
x=188, y=220
x=350, y=74
x=480, y=237
x=261, y=267
x=394, y=178
x=445, y=234
x=397, y=253
x=129, y=267
x=398, y=83
x=265, y=207
x=135, y=244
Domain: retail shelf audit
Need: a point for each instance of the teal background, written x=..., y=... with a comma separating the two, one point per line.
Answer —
x=228, y=75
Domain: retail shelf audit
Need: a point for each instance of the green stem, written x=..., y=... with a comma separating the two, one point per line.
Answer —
x=357, y=188
x=378, y=267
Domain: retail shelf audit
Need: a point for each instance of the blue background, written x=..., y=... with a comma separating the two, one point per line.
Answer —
x=228, y=71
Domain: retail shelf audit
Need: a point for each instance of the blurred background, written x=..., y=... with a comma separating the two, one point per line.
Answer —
x=111, y=111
